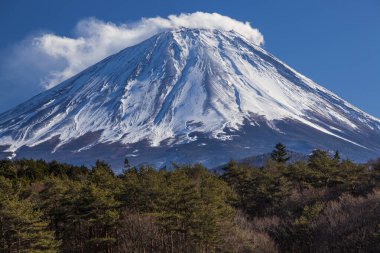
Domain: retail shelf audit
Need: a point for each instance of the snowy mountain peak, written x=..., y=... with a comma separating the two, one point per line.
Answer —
x=180, y=86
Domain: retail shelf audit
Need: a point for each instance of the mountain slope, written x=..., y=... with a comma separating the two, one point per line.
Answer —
x=179, y=91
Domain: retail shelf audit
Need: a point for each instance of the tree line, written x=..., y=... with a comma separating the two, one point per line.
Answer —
x=322, y=204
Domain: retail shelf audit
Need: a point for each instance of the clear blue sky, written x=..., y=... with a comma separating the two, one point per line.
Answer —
x=335, y=43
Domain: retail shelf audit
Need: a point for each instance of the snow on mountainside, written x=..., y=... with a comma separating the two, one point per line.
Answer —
x=183, y=86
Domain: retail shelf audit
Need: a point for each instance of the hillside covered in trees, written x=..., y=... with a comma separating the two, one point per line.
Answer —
x=324, y=204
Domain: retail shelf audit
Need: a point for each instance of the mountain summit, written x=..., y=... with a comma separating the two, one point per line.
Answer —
x=185, y=95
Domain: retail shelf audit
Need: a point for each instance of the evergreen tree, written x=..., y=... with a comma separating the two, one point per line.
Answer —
x=126, y=164
x=22, y=228
x=336, y=158
x=320, y=160
x=196, y=206
x=337, y=155
x=277, y=208
x=280, y=153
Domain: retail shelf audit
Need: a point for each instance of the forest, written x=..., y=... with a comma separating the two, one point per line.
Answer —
x=320, y=204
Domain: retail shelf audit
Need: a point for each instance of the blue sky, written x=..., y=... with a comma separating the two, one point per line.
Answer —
x=334, y=42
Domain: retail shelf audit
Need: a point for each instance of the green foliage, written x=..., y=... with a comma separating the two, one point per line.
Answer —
x=309, y=198
x=259, y=189
x=280, y=153
x=309, y=214
x=21, y=227
x=188, y=203
x=324, y=204
x=321, y=161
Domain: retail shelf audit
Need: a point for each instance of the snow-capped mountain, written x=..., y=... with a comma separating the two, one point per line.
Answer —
x=186, y=95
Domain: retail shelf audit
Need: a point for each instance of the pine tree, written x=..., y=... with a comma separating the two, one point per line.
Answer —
x=337, y=155
x=126, y=164
x=280, y=153
x=100, y=216
x=196, y=206
x=22, y=228
x=320, y=160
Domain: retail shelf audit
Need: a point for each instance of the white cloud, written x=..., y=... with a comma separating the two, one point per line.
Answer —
x=95, y=39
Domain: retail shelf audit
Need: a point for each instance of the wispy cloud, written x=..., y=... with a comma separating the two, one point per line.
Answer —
x=52, y=58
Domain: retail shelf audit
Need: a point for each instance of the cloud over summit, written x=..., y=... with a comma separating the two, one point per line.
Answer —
x=94, y=40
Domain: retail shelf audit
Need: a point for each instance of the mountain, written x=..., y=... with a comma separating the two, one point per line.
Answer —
x=185, y=95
